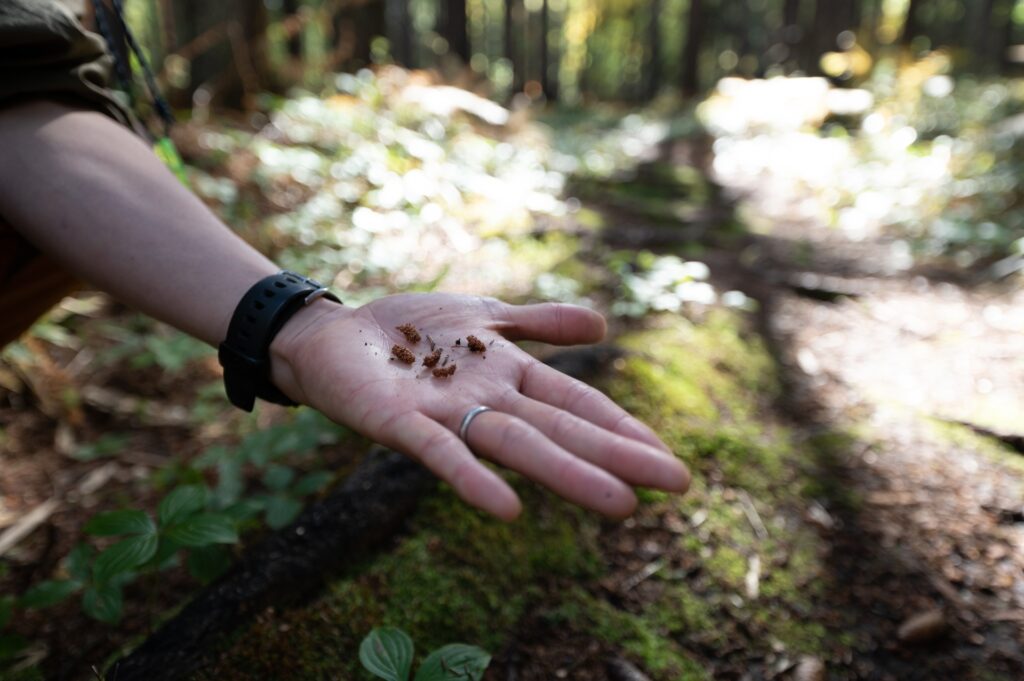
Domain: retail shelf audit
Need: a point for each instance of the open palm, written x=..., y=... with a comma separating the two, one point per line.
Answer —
x=544, y=424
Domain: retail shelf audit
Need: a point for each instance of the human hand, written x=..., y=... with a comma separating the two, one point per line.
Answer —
x=552, y=428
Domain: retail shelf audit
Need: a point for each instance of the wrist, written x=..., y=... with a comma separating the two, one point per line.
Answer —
x=286, y=349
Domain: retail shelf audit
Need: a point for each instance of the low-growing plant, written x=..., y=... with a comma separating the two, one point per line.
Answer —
x=387, y=653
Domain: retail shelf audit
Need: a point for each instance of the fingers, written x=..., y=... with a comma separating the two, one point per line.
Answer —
x=632, y=461
x=440, y=450
x=551, y=386
x=515, y=444
x=556, y=323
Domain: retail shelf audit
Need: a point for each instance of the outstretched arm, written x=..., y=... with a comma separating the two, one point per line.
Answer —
x=88, y=192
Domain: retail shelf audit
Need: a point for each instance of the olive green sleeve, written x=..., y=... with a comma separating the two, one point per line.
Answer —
x=46, y=52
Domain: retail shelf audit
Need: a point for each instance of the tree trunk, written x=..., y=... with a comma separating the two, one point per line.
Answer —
x=654, y=50
x=370, y=22
x=234, y=65
x=452, y=27
x=545, y=57
x=910, y=24
x=290, y=8
x=400, y=32
x=690, y=82
x=513, y=33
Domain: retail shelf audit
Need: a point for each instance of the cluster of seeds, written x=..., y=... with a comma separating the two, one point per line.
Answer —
x=431, y=361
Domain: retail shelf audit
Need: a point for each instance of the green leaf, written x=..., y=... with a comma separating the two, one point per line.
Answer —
x=229, y=483
x=454, y=661
x=203, y=529
x=6, y=610
x=278, y=477
x=281, y=510
x=103, y=603
x=45, y=594
x=207, y=563
x=387, y=653
x=245, y=509
x=108, y=445
x=11, y=645
x=79, y=561
x=213, y=454
x=124, y=556
x=312, y=482
x=124, y=521
x=165, y=557
x=182, y=502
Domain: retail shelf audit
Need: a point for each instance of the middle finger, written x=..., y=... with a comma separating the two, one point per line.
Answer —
x=515, y=444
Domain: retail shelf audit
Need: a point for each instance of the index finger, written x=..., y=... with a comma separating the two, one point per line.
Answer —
x=555, y=323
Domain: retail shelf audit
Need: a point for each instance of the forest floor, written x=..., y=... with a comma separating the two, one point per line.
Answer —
x=856, y=510
x=920, y=368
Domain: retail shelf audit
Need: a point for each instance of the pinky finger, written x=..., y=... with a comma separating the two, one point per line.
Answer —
x=440, y=450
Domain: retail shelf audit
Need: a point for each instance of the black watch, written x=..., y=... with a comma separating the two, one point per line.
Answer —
x=245, y=353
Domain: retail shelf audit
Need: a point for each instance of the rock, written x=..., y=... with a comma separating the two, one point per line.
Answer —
x=809, y=669
x=922, y=627
x=620, y=670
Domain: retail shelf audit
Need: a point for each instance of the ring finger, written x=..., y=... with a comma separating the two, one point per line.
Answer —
x=515, y=444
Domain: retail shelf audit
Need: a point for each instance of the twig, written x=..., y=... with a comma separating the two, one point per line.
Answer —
x=28, y=523
x=753, y=577
x=752, y=515
x=649, y=570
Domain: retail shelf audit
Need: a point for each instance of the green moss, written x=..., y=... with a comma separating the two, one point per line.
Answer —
x=687, y=374
x=963, y=436
x=639, y=637
x=459, y=576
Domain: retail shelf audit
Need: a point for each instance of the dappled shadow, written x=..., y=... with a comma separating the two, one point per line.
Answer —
x=915, y=521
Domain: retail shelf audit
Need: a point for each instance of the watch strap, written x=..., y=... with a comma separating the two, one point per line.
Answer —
x=262, y=312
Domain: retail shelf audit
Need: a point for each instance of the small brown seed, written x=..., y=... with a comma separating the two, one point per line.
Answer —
x=446, y=372
x=403, y=354
x=410, y=333
x=433, y=358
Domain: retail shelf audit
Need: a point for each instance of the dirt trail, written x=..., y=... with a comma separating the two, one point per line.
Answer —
x=902, y=361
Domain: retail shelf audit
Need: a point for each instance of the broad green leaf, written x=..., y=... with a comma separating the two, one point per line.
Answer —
x=312, y=482
x=207, y=563
x=278, y=477
x=124, y=556
x=103, y=603
x=245, y=509
x=281, y=510
x=45, y=594
x=182, y=502
x=125, y=521
x=203, y=529
x=79, y=561
x=453, y=662
x=386, y=652
x=165, y=557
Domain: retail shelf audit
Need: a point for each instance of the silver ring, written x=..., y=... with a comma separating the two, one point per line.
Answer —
x=468, y=419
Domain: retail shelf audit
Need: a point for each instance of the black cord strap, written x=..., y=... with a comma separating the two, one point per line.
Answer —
x=245, y=352
x=104, y=18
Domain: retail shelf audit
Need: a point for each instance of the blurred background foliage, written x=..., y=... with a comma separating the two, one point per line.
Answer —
x=928, y=134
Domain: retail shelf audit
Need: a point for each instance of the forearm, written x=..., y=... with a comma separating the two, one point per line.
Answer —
x=87, y=191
